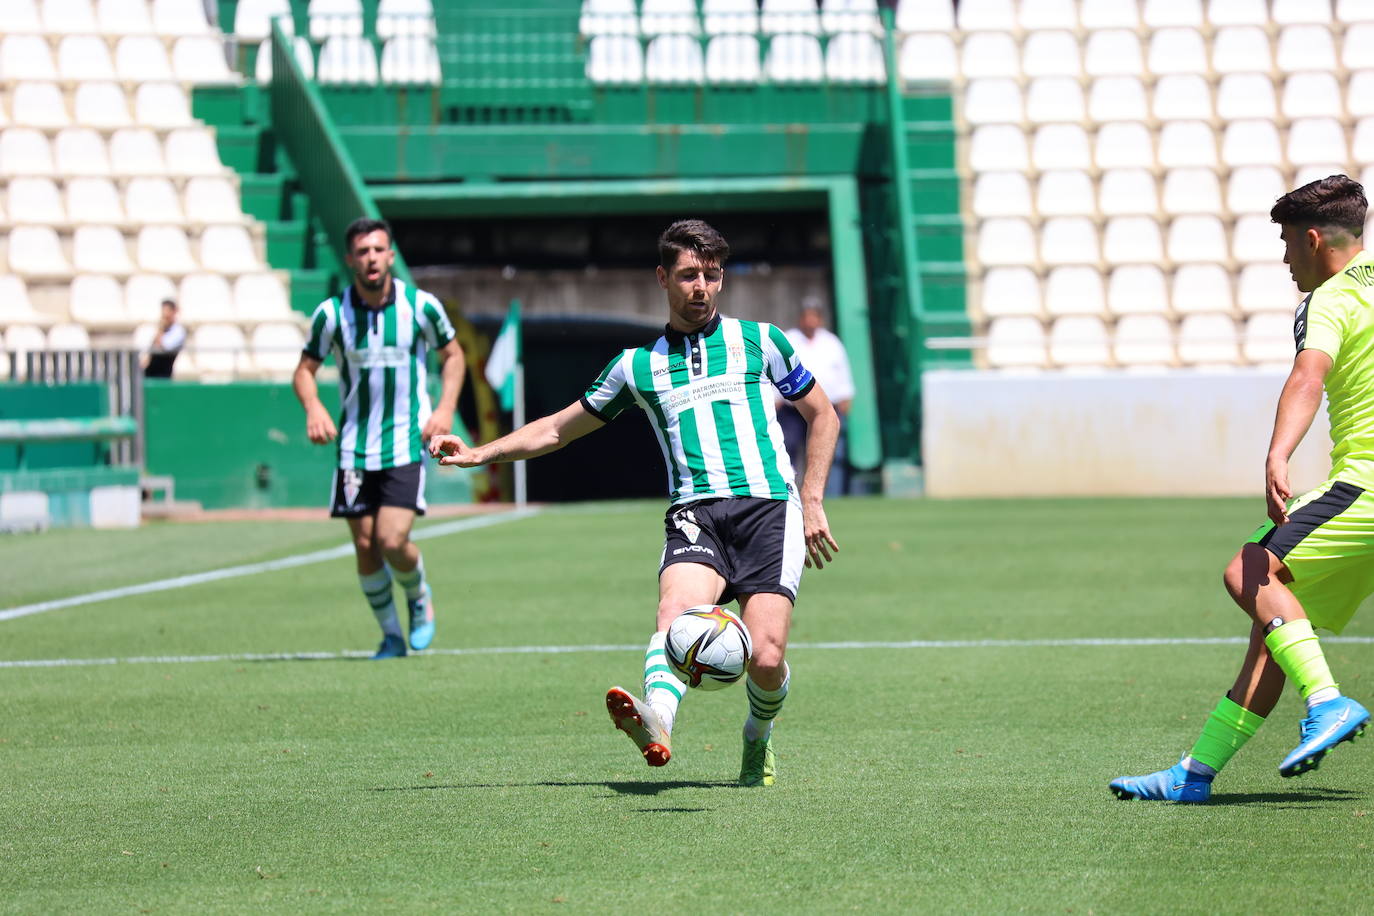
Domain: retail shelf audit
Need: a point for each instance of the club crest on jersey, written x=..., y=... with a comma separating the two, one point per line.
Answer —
x=352, y=485
x=686, y=522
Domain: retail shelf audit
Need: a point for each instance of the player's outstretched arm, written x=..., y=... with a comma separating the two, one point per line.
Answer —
x=452, y=371
x=319, y=425
x=1298, y=403
x=537, y=438
x=823, y=429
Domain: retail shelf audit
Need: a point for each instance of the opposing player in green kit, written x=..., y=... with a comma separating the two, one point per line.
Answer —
x=1313, y=563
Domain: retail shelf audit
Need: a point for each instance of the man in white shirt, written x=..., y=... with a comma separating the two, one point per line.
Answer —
x=167, y=343
x=823, y=353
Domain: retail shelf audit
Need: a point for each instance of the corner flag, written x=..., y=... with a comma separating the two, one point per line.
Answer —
x=505, y=357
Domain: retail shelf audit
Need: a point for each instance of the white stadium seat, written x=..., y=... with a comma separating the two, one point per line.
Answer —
x=1047, y=14
x=276, y=347
x=1191, y=190
x=81, y=152
x=794, y=59
x=1126, y=192
x=1051, y=54
x=1177, y=50
x=84, y=57
x=261, y=297
x=200, y=59
x=346, y=59
x=25, y=151
x=1305, y=47
x=68, y=336
x=162, y=105
x=151, y=201
x=1132, y=240
x=37, y=104
x=21, y=17
x=1143, y=340
x=102, y=105
x=987, y=15
x=1118, y=98
x=94, y=200
x=1065, y=192
x=1359, y=94
x=733, y=58
x=599, y=17
x=918, y=15
x=1254, y=188
x=1136, y=289
x=141, y=59
x=1001, y=194
x=1051, y=99
x=100, y=250
x=1362, y=144
x=1354, y=11
x=1010, y=291
x=1201, y=288
x=1158, y=14
x=400, y=18
x=1182, y=97
x=1109, y=14
x=674, y=59
x=925, y=56
x=411, y=59
x=178, y=17
x=36, y=251
x=68, y=17
x=1286, y=12
x=725, y=17
x=669, y=17
x=1112, y=52
x=1237, y=12
x=34, y=200
x=987, y=54
x=1267, y=288
x=1197, y=239
x=253, y=18
x=615, y=59
x=1061, y=146
x=1126, y=145
x=228, y=249
x=1006, y=241
x=1079, y=340
x=1208, y=340
x=1255, y=239
x=205, y=297
x=1251, y=143
x=993, y=147
x=1268, y=338
x=124, y=17
x=220, y=350
x=135, y=151
x=1311, y=95
x=26, y=57
x=1245, y=95
x=1074, y=291
x=191, y=151
x=1315, y=172
x=1357, y=50
x=996, y=100
x=1068, y=240
x=211, y=200
x=164, y=249
x=305, y=56
x=144, y=293
x=98, y=301
x=1241, y=49
x=1317, y=140
x=789, y=16
x=1016, y=341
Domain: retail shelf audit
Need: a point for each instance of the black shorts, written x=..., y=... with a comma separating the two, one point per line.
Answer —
x=756, y=545
x=358, y=492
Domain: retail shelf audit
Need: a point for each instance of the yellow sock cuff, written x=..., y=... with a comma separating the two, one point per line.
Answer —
x=1226, y=730
x=1298, y=652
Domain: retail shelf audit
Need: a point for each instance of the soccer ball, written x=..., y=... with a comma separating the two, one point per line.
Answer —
x=708, y=647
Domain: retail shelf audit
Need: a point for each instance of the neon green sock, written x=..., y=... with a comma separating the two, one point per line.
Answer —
x=1296, y=650
x=1227, y=729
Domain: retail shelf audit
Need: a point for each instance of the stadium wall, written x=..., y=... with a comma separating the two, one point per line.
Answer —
x=1167, y=433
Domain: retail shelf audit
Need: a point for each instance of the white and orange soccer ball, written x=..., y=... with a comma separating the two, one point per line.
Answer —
x=708, y=647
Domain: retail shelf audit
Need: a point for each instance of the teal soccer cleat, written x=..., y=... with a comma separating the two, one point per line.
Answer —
x=422, y=620
x=1175, y=784
x=1325, y=726
x=391, y=647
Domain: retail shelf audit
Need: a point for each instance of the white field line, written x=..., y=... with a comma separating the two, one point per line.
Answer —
x=252, y=569
x=564, y=650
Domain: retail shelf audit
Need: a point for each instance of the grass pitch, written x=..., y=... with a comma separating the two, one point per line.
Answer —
x=910, y=779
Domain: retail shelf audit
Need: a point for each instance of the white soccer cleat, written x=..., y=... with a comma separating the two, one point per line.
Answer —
x=638, y=720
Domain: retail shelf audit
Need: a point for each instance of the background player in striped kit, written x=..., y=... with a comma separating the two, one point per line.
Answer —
x=737, y=527
x=380, y=331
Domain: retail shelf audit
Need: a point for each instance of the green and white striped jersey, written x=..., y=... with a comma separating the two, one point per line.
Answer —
x=711, y=409
x=381, y=354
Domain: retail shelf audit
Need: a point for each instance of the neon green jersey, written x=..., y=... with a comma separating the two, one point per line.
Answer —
x=1337, y=318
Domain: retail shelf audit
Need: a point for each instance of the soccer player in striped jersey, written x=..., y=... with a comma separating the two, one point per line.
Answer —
x=1312, y=563
x=737, y=528
x=380, y=331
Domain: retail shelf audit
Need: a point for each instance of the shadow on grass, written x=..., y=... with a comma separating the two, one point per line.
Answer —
x=620, y=788
x=1299, y=798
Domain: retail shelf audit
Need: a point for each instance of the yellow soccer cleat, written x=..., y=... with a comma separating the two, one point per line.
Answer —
x=759, y=765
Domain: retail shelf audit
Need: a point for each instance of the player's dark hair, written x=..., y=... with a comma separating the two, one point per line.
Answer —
x=1334, y=201
x=364, y=225
x=691, y=235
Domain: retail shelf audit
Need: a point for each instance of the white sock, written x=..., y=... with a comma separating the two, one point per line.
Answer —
x=414, y=581
x=663, y=690
x=764, y=706
x=1196, y=768
x=377, y=590
x=1324, y=695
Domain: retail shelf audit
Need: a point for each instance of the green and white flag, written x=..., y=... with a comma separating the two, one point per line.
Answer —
x=505, y=357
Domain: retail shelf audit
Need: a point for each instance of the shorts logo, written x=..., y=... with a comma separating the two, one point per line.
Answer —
x=686, y=522
x=352, y=485
x=695, y=548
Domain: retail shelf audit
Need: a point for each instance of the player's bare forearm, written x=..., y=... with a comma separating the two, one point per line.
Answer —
x=319, y=425
x=454, y=370
x=823, y=430
x=537, y=438
x=1298, y=404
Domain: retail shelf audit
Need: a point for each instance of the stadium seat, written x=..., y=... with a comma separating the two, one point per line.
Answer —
x=1305, y=47
x=1079, y=340
x=84, y=57
x=1143, y=340
x=928, y=56
x=34, y=200
x=143, y=296
x=305, y=56
x=1245, y=95
x=1267, y=288
x=1251, y=143
x=1201, y=288
x=164, y=249
x=36, y=251
x=855, y=57
x=1182, y=97
x=68, y=17
x=1237, y=12
x=151, y=201
x=1065, y=192
x=100, y=250
x=733, y=58
x=261, y=297
x=124, y=17
x=412, y=60
x=200, y=59
x=402, y=18
x=81, y=152
x=1312, y=95
x=1315, y=172
x=192, y=151
x=349, y=59
x=1191, y=190
x=674, y=59
x=1074, y=291
x=228, y=249
x=1362, y=144
x=1357, y=50
x=1112, y=52
x=789, y=16
x=1016, y=341
x=1268, y=338
x=1317, y=140
x=141, y=59
x=205, y=297
x=15, y=307
x=1047, y=14
x=1254, y=188
x=994, y=147
x=1354, y=11
x=669, y=17
x=1005, y=242
x=135, y=151
x=1109, y=14
x=179, y=17
x=986, y=54
x=25, y=338
x=68, y=336
x=25, y=151
x=1118, y=98
x=1126, y=192
x=1136, y=289
x=35, y=104
x=1177, y=50
x=98, y=301
x=1051, y=99
x=211, y=200
x=925, y=15
x=1126, y=145
x=794, y=59
x=1010, y=291
x=615, y=59
x=1359, y=94
x=1255, y=240
x=1068, y=240
x=608, y=17
x=850, y=16
x=1208, y=340
x=94, y=201
x=1061, y=146
x=1051, y=54
x=726, y=17
x=1001, y=193
x=1241, y=49
x=162, y=105
x=276, y=348
x=1132, y=240
x=102, y=105
x=987, y=15
x=253, y=19
x=1286, y=12
x=993, y=101
x=220, y=350
x=1197, y=239
x=1158, y=14
x=21, y=17
x=26, y=57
